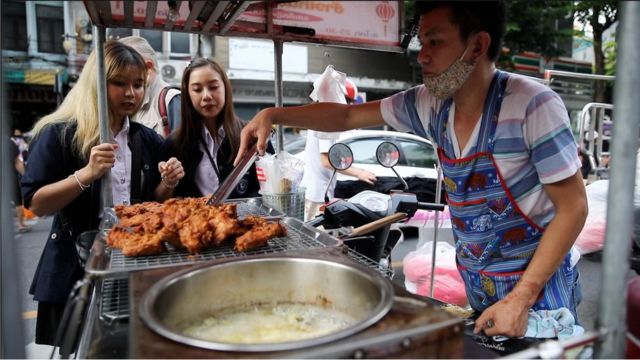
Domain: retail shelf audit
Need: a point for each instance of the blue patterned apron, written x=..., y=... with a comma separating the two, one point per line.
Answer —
x=494, y=240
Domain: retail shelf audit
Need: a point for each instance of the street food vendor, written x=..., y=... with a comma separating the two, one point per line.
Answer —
x=510, y=162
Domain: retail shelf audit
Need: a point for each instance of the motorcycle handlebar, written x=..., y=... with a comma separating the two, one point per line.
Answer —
x=430, y=206
x=319, y=220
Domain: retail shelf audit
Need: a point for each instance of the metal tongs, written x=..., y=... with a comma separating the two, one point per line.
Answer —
x=234, y=177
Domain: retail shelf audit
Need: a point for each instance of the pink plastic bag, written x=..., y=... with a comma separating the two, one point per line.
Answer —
x=591, y=238
x=448, y=284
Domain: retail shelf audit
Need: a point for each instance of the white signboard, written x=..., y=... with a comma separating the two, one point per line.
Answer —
x=249, y=54
x=360, y=23
x=369, y=22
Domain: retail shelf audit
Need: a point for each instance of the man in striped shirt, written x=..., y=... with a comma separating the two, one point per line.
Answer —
x=509, y=160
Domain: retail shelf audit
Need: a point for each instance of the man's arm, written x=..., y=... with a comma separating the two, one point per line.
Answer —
x=362, y=174
x=509, y=315
x=328, y=117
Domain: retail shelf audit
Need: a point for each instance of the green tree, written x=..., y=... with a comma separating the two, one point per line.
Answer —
x=600, y=15
x=533, y=26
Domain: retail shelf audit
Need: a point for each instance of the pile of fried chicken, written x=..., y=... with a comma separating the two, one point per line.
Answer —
x=188, y=224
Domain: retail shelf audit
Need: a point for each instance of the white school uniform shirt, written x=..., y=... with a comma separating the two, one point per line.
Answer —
x=121, y=171
x=206, y=177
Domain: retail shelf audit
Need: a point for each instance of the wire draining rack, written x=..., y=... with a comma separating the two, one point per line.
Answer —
x=106, y=262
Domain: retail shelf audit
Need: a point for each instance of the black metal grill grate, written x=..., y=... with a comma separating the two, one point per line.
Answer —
x=384, y=271
x=115, y=299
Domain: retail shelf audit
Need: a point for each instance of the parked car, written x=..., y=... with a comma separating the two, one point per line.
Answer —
x=416, y=166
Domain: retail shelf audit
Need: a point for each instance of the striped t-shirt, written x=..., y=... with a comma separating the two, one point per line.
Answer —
x=533, y=141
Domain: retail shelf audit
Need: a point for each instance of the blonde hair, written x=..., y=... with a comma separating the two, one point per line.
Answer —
x=80, y=106
x=142, y=46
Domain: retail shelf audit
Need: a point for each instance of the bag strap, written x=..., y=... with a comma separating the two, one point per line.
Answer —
x=162, y=108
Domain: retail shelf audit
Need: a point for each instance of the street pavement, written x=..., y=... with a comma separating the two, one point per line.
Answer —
x=29, y=246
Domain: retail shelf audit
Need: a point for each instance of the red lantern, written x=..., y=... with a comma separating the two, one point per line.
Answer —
x=385, y=12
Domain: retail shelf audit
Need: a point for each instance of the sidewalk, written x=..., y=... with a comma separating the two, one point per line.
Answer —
x=28, y=247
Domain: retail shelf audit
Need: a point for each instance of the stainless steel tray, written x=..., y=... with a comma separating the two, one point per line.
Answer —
x=106, y=262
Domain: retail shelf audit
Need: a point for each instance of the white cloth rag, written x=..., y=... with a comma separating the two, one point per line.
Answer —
x=558, y=323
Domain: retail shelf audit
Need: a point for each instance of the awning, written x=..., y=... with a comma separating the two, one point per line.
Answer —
x=34, y=76
x=375, y=25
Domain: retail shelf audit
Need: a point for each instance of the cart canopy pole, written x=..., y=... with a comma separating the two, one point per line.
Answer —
x=103, y=115
x=612, y=309
x=277, y=53
x=11, y=329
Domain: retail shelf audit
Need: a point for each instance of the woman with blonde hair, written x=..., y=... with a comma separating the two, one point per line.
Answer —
x=68, y=162
x=208, y=138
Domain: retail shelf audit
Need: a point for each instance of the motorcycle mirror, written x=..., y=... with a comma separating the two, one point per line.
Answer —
x=388, y=154
x=340, y=156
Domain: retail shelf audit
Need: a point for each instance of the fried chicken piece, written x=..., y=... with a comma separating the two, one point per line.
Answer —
x=141, y=234
x=136, y=241
x=123, y=211
x=199, y=225
x=224, y=220
x=188, y=224
x=174, y=213
x=196, y=233
x=259, y=234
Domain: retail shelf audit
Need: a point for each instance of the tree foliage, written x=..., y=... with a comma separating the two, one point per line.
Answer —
x=600, y=15
x=533, y=26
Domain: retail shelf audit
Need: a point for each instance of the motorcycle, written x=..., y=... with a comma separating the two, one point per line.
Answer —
x=364, y=221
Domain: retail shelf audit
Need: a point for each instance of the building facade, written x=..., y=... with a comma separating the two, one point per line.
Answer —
x=40, y=67
x=34, y=61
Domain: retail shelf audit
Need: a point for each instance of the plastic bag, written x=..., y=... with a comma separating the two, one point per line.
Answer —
x=329, y=87
x=448, y=285
x=591, y=238
x=279, y=173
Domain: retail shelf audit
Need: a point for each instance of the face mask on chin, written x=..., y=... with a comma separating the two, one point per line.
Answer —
x=443, y=86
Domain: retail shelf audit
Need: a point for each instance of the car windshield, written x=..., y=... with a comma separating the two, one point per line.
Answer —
x=412, y=153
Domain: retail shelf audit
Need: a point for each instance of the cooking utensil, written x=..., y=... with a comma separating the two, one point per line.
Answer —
x=196, y=294
x=234, y=177
x=375, y=225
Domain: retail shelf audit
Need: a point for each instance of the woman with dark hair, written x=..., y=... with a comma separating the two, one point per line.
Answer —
x=208, y=138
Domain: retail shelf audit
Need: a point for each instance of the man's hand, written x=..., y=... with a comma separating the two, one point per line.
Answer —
x=259, y=128
x=507, y=317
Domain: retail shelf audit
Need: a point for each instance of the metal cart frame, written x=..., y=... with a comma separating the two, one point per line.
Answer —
x=610, y=333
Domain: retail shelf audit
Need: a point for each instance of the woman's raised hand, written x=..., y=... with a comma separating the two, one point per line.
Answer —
x=171, y=171
x=102, y=158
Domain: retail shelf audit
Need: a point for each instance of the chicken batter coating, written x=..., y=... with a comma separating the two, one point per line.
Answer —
x=188, y=224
